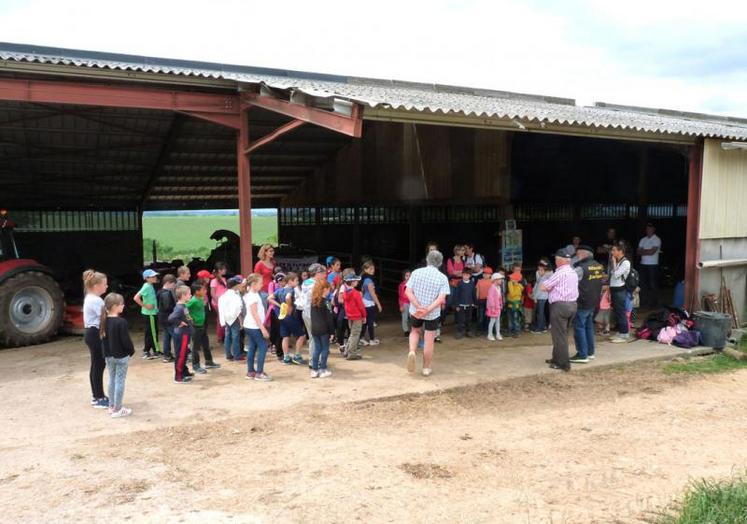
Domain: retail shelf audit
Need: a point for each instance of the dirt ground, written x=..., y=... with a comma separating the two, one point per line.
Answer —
x=492, y=436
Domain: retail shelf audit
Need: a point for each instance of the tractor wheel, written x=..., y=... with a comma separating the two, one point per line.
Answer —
x=31, y=309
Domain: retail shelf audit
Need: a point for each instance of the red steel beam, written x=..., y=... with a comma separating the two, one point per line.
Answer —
x=245, y=194
x=55, y=92
x=692, y=245
x=280, y=131
x=348, y=125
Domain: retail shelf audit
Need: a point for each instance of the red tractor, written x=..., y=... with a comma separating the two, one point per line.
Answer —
x=31, y=302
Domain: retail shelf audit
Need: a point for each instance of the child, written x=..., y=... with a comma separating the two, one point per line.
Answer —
x=255, y=330
x=540, y=296
x=404, y=303
x=465, y=300
x=483, y=287
x=118, y=348
x=494, y=306
x=183, y=274
x=343, y=327
x=370, y=301
x=321, y=329
x=603, y=317
x=196, y=308
x=273, y=309
x=95, y=285
x=183, y=325
x=291, y=324
x=304, y=276
x=356, y=313
x=514, y=295
x=146, y=299
x=528, y=303
x=217, y=288
x=333, y=275
x=229, y=313
x=166, y=304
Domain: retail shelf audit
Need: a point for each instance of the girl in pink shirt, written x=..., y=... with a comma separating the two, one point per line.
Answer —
x=404, y=303
x=217, y=288
x=494, y=306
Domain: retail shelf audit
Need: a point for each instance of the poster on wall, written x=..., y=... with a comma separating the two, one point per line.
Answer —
x=511, y=248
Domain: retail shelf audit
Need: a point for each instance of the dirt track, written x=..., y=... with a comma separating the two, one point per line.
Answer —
x=607, y=445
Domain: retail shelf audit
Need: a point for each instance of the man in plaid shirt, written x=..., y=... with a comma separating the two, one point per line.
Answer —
x=426, y=290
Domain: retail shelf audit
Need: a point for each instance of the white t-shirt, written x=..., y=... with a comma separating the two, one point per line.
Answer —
x=648, y=243
x=253, y=298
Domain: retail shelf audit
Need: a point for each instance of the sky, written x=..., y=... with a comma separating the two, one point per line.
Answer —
x=684, y=55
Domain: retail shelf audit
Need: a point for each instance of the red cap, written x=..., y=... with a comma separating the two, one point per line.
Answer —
x=204, y=273
x=487, y=270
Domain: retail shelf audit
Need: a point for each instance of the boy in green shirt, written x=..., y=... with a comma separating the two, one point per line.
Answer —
x=196, y=308
x=146, y=299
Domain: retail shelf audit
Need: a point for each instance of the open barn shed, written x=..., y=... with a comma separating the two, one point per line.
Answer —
x=89, y=140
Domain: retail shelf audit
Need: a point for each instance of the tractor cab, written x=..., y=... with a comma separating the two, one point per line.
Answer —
x=8, y=250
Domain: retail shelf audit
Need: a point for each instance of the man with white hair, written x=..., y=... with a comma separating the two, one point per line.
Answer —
x=562, y=288
x=426, y=290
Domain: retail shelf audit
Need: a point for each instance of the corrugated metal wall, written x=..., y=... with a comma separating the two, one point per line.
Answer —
x=723, y=206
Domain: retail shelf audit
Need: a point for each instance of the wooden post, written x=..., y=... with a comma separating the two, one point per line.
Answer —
x=692, y=246
x=245, y=194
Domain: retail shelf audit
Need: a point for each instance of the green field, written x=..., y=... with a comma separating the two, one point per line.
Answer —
x=187, y=236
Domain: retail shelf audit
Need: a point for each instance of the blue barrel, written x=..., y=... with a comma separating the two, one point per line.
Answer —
x=714, y=328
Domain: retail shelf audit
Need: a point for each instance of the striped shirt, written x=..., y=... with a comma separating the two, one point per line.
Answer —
x=562, y=285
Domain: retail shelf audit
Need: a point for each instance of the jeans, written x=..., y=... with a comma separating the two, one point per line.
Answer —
x=406, y=318
x=232, y=340
x=370, y=321
x=258, y=347
x=649, y=275
x=540, y=322
x=117, y=375
x=514, y=319
x=561, y=319
x=583, y=332
x=619, y=295
x=96, y=373
x=321, y=352
x=168, y=341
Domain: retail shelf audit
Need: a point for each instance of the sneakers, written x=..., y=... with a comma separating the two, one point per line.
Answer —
x=185, y=380
x=262, y=377
x=411, y=362
x=325, y=373
x=314, y=374
x=287, y=361
x=620, y=339
x=578, y=359
x=437, y=339
x=499, y=337
x=169, y=359
x=491, y=337
x=427, y=372
x=123, y=412
x=298, y=359
x=241, y=358
x=341, y=348
x=592, y=357
x=211, y=365
x=374, y=342
x=201, y=371
x=533, y=332
x=101, y=403
x=363, y=342
x=407, y=334
x=354, y=357
x=250, y=375
x=147, y=355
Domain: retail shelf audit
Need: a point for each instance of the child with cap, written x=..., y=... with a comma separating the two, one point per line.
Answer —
x=230, y=308
x=483, y=286
x=494, y=305
x=291, y=324
x=544, y=272
x=356, y=313
x=273, y=310
x=338, y=302
x=514, y=298
x=146, y=299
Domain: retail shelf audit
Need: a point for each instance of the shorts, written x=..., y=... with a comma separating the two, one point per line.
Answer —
x=430, y=325
x=291, y=327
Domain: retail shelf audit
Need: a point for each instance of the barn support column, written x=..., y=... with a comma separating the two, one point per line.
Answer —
x=245, y=193
x=692, y=246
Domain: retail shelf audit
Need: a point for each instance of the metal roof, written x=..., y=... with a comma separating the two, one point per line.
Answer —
x=403, y=96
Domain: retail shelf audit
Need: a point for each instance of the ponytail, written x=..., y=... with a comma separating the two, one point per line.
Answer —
x=92, y=278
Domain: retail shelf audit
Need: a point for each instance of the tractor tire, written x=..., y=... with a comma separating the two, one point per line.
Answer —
x=31, y=309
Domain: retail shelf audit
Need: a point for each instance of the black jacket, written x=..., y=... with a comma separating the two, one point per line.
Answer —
x=166, y=304
x=322, y=323
x=590, y=285
x=117, y=342
x=465, y=294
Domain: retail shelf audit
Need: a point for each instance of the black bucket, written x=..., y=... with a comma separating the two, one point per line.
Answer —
x=714, y=328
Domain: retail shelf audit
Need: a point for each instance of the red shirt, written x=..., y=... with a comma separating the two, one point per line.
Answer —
x=403, y=300
x=483, y=286
x=528, y=301
x=354, y=308
x=266, y=272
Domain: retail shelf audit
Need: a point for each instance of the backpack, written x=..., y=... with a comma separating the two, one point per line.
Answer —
x=632, y=281
x=515, y=291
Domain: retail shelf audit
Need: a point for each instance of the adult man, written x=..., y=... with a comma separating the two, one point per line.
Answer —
x=317, y=273
x=426, y=290
x=590, y=274
x=562, y=288
x=473, y=261
x=648, y=249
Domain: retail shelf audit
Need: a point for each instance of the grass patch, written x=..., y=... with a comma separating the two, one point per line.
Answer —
x=188, y=236
x=718, y=363
x=708, y=502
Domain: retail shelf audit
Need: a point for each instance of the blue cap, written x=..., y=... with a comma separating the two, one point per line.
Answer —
x=149, y=273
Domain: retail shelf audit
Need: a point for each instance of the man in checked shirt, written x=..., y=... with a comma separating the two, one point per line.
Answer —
x=562, y=287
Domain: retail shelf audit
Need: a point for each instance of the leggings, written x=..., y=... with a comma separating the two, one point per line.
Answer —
x=343, y=328
x=370, y=321
x=96, y=373
x=495, y=325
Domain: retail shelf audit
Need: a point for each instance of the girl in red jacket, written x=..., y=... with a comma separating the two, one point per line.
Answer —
x=404, y=303
x=356, y=313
